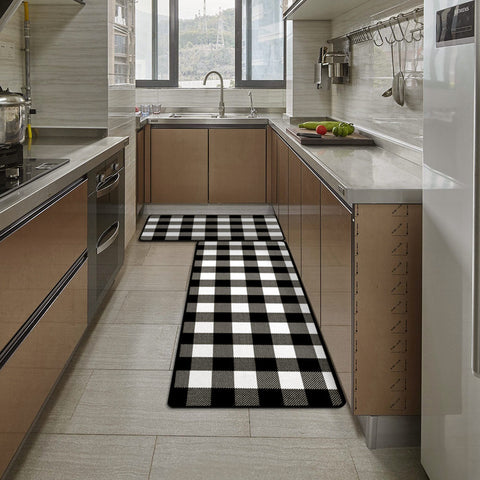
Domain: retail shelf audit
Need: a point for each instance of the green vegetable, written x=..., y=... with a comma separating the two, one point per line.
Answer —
x=349, y=126
x=313, y=125
x=340, y=130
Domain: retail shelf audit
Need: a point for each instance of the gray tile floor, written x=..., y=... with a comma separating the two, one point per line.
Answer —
x=108, y=417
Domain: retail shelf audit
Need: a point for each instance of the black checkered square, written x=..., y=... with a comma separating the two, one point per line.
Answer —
x=211, y=227
x=248, y=337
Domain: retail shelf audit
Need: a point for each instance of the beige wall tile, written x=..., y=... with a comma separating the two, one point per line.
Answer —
x=69, y=67
x=12, y=70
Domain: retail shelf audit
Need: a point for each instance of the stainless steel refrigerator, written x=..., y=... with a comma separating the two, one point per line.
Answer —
x=450, y=379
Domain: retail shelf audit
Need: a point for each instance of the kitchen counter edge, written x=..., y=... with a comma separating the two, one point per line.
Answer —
x=82, y=159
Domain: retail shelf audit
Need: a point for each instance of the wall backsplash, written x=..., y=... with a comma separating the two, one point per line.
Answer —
x=209, y=97
x=12, y=70
x=304, y=39
x=361, y=101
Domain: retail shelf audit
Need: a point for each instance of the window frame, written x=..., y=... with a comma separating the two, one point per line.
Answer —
x=172, y=82
x=173, y=49
x=239, y=82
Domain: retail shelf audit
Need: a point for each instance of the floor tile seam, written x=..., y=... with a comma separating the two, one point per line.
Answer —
x=173, y=355
x=153, y=457
x=186, y=435
x=77, y=403
x=349, y=448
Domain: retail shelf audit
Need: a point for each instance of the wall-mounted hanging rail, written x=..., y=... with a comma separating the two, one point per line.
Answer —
x=396, y=32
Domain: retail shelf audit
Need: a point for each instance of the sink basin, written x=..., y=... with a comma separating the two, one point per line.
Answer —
x=207, y=115
x=206, y=118
x=193, y=115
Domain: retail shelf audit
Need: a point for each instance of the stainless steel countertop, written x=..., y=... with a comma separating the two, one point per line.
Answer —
x=355, y=174
x=359, y=174
x=84, y=154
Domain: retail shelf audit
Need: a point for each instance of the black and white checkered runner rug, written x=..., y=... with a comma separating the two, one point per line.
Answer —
x=248, y=337
x=211, y=227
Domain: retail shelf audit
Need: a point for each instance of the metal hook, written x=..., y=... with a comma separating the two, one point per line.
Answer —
x=418, y=27
x=393, y=30
x=378, y=30
x=393, y=39
x=404, y=33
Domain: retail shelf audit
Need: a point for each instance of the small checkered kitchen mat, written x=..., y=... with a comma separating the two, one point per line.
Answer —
x=248, y=337
x=211, y=227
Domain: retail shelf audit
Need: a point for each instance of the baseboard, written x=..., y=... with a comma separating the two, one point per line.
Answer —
x=390, y=431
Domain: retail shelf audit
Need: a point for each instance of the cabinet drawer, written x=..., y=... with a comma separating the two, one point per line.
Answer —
x=37, y=255
x=30, y=373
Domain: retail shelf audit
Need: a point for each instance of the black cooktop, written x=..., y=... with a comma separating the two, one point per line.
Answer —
x=17, y=174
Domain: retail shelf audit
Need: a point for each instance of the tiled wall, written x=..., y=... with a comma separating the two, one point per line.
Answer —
x=304, y=39
x=361, y=101
x=72, y=80
x=209, y=97
x=69, y=69
x=12, y=70
x=121, y=116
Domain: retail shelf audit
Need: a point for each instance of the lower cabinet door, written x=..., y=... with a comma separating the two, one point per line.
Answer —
x=336, y=285
x=28, y=376
x=295, y=208
x=237, y=165
x=282, y=187
x=311, y=238
x=179, y=165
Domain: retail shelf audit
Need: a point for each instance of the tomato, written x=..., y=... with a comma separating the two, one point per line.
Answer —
x=321, y=130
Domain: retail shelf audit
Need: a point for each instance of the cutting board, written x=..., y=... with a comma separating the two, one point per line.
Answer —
x=329, y=138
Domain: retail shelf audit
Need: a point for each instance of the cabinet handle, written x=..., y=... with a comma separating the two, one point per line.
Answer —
x=101, y=247
x=111, y=183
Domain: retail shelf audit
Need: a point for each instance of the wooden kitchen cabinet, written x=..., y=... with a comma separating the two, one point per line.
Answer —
x=274, y=172
x=179, y=165
x=295, y=208
x=361, y=269
x=28, y=376
x=387, y=309
x=140, y=170
x=310, y=237
x=237, y=165
x=282, y=186
x=336, y=285
x=34, y=256
x=44, y=295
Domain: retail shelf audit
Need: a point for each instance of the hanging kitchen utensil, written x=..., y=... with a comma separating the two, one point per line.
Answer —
x=388, y=93
x=398, y=87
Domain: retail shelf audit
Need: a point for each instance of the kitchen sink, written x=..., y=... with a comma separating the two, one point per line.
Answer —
x=206, y=118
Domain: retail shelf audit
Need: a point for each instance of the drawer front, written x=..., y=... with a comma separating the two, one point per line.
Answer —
x=28, y=376
x=37, y=255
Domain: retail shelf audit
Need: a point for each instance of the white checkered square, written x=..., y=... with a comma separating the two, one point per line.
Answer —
x=246, y=379
x=200, y=379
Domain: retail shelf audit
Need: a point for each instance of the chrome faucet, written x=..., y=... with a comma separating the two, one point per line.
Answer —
x=253, y=112
x=221, y=105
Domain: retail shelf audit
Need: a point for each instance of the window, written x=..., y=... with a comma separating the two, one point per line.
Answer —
x=179, y=41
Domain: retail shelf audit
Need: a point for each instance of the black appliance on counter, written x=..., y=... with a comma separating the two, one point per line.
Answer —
x=17, y=169
x=106, y=228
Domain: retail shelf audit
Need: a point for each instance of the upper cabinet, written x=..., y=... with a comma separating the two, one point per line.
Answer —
x=317, y=9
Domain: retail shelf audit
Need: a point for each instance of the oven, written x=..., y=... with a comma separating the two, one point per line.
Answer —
x=106, y=227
